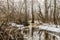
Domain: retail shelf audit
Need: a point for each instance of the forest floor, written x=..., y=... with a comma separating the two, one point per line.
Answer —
x=14, y=29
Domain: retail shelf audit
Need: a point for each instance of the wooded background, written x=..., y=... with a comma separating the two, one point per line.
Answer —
x=46, y=11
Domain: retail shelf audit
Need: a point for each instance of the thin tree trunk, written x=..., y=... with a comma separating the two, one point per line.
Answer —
x=53, y=37
x=46, y=36
x=32, y=13
x=54, y=14
x=7, y=8
x=40, y=14
x=46, y=11
x=26, y=18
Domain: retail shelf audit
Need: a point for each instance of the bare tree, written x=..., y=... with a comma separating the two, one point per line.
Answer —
x=41, y=14
x=26, y=18
x=54, y=14
x=46, y=11
x=32, y=13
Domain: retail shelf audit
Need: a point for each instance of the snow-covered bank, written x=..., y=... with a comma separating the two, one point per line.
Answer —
x=52, y=29
x=19, y=26
x=36, y=35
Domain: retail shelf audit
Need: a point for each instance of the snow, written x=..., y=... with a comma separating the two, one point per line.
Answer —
x=44, y=26
x=35, y=36
x=48, y=28
x=52, y=29
x=13, y=24
x=49, y=25
x=19, y=26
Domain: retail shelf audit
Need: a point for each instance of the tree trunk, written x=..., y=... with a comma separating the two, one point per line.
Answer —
x=46, y=36
x=32, y=13
x=46, y=11
x=26, y=18
x=54, y=14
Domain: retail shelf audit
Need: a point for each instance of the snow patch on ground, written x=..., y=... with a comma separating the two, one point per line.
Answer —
x=19, y=26
x=44, y=26
x=48, y=28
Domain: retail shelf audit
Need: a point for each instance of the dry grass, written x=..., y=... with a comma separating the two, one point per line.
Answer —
x=9, y=33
